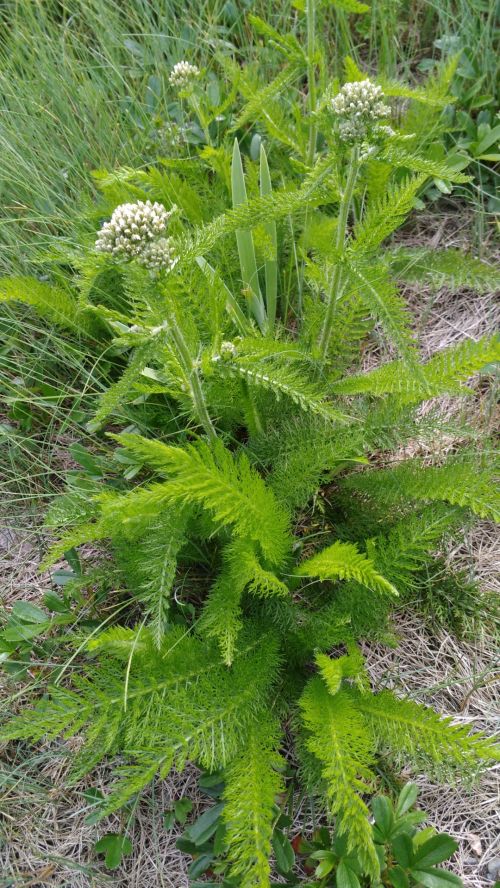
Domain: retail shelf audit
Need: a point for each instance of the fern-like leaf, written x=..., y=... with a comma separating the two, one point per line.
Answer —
x=470, y=482
x=385, y=215
x=443, y=268
x=283, y=381
x=381, y=297
x=257, y=106
x=319, y=188
x=224, y=484
x=114, y=396
x=445, y=372
x=344, y=561
x=253, y=782
x=150, y=566
x=399, y=157
x=50, y=301
x=406, y=548
x=338, y=738
x=222, y=616
x=420, y=734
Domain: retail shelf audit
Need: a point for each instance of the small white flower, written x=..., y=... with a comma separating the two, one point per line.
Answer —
x=358, y=107
x=137, y=231
x=183, y=74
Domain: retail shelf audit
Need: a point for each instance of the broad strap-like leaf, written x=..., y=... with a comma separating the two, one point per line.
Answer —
x=244, y=240
x=271, y=263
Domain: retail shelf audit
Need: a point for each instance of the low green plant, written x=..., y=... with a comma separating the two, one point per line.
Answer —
x=114, y=847
x=272, y=519
x=407, y=855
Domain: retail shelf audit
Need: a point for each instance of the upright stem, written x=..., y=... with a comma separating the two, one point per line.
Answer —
x=201, y=117
x=193, y=380
x=255, y=422
x=311, y=76
x=311, y=104
x=345, y=205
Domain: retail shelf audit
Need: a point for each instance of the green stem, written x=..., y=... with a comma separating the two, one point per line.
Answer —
x=336, y=285
x=193, y=101
x=311, y=102
x=311, y=76
x=254, y=417
x=193, y=380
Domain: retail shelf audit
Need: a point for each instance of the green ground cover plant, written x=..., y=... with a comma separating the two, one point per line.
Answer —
x=259, y=515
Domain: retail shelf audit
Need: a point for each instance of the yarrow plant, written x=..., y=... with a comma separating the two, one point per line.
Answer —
x=136, y=231
x=258, y=512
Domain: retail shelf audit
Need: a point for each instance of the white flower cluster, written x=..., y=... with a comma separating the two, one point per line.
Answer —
x=358, y=106
x=137, y=231
x=183, y=74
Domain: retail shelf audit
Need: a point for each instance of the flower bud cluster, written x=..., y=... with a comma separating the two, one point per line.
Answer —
x=183, y=74
x=227, y=351
x=137, y=231
x=160, y=254
x=358, y=106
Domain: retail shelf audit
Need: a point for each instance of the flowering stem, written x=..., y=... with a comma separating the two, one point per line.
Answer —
x=193, y=380
x=336, y=285
x=311, y=76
